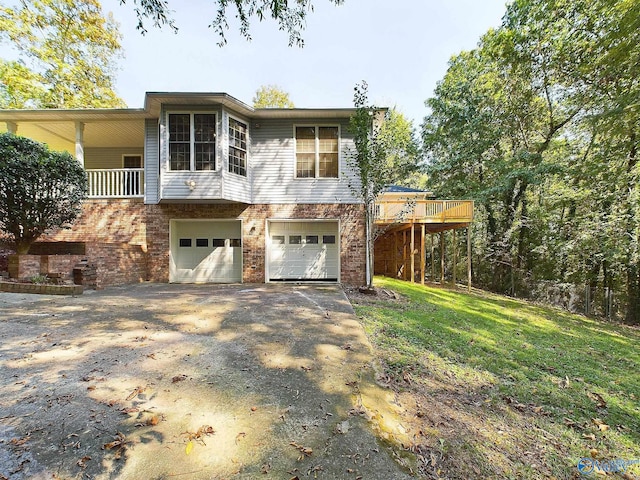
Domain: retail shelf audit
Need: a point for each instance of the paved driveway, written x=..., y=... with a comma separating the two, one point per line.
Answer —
x=157, y=381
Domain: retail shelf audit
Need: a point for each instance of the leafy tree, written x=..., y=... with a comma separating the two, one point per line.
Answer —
x=39, y=190
x=272, y=96
x=66, y=52
x=541, y=126
x=386, y=152
x=370, y=160
x=290, y=16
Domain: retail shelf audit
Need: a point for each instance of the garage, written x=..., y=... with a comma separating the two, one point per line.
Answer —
x=303, y=250
x=205, y=251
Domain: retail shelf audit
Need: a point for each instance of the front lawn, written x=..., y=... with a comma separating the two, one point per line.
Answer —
x=499, y=388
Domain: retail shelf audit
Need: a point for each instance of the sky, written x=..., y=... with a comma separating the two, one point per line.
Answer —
x=399, y=47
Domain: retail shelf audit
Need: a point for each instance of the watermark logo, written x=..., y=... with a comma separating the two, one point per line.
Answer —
x=587, y=466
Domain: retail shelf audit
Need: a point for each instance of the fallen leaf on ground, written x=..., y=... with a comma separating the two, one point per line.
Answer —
x=600, y=424
x=136, y=391
x=201, y=432
x=82, y=463
x=178, y=378
x=189, y=447
x=597, y=398
x=304, y=450
x=18, y=441
x=119, y=444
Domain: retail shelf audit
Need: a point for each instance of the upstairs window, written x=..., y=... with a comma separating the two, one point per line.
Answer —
x=237, y=147
x=192, y=141
x=317, y=152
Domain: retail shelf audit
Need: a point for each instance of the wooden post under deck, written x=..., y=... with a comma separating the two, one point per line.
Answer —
x=433, y=260
x=455, y=259
x=413, y=249
x=469, y=257
x=395, y=255
x=404, y=254
x=422, y=256
x=442, y=257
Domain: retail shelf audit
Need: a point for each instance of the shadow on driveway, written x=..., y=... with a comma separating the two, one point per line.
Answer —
x=157, y=381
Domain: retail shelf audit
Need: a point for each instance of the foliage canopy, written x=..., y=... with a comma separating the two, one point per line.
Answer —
x=290, y=16
x=272, y=96
x=39, y=189
x=66, y=55
x=541, y=126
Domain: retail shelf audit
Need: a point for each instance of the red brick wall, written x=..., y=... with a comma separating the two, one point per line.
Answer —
x=129, y=241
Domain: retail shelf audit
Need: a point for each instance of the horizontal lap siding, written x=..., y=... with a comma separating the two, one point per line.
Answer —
x=107, y=157
x=191, y=185
x=272, y=160
x=152, y=159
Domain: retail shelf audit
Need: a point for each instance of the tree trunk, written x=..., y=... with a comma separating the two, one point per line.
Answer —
x=633, y=270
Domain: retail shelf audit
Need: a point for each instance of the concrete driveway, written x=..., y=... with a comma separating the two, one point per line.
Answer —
x=157, y=381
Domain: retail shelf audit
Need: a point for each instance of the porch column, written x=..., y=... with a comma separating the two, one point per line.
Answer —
x=80, y=142
x=12, y=127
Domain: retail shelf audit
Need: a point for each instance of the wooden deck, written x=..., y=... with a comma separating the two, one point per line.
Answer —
x=395, y=210
x=405, y=221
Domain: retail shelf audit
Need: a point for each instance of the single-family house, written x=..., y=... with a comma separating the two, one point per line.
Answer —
x=201, y=187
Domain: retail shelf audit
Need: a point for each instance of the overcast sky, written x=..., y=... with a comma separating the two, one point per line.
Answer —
x=400, y=47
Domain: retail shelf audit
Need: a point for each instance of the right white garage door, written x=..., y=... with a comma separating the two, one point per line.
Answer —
x=304, y=251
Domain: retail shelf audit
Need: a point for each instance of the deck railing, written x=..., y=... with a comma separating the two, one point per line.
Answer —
x=116, y=182
x=424, y=211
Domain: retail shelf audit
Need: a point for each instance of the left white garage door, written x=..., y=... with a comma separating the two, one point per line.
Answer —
x=206, y=251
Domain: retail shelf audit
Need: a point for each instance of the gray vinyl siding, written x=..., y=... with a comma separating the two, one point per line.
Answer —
x=235, y=187
x=97, y=158
x=272, y=163
x=151, y=162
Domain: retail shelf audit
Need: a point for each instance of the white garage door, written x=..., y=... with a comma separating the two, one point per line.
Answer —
x=304, y=251
x=206, y=251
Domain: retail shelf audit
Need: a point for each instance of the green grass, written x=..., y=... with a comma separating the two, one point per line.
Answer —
x=534, y=368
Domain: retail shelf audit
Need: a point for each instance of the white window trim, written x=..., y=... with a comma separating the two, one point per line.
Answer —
x=192, y=161
x=317, y=140
x=228, y=138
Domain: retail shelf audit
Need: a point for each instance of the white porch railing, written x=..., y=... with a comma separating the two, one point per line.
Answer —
x=116, y=182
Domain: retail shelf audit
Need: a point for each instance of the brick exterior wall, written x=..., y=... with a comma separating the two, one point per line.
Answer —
x=129, y=241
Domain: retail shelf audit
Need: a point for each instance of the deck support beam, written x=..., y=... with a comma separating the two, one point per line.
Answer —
x=413, y=252
x=469, y=258
x=455, y=259
x=442, y=257
x=422, y=255
x=395, y=255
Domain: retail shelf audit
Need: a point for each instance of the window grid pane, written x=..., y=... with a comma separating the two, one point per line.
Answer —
x=305, y=165
x=237, y=147
x=205, y=156
x=179, y=141
x=179, y=127
x=179, y=154
x=328, y=154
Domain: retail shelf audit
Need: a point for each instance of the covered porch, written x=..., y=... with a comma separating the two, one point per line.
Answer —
x=108, y=143
x=410, y=237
